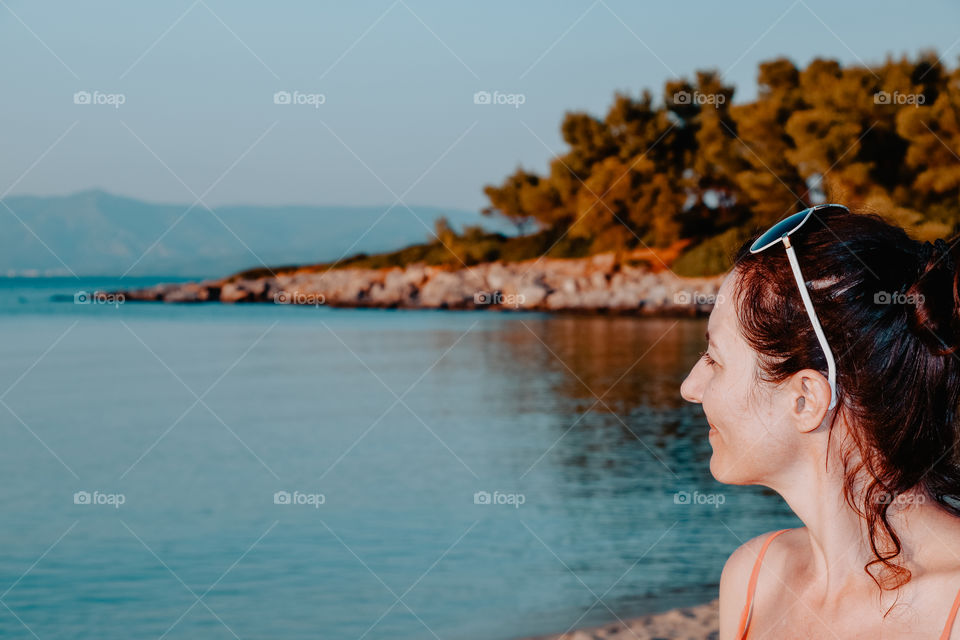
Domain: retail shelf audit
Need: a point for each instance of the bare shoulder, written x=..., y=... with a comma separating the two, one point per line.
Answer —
x=735, y=578
x=938, y=544
x=740, y=564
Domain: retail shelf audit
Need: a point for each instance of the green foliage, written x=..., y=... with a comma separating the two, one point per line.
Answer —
x=698, y=170
x=712, y=256
x=884, y=139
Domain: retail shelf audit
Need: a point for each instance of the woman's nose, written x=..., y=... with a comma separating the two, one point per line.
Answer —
x=690, y=389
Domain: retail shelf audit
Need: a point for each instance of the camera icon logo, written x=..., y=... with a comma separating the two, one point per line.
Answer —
x=81, y=497
x=481, y=497
x=881, y=97
x=681, y=497
x=281, y=97
x=81, y=297
x=681, y=297
x=881, y=297
x=481, y=297
x=81, y=97
x=281, y=497
x=481, y=97
x=681, y=97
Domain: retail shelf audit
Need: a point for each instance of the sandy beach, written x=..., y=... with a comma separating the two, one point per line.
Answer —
x=686, y=623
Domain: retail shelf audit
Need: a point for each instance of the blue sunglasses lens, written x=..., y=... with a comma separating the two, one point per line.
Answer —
x=787, y=226
x=777, y=231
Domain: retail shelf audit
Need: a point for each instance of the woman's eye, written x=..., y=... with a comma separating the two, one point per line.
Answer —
x=706, y=357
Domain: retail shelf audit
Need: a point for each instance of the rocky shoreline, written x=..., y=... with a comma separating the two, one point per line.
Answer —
x=596, y=284
x=700, y=622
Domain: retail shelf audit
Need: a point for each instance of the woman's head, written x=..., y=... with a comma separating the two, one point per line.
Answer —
x=888, y=306
x=755, y=428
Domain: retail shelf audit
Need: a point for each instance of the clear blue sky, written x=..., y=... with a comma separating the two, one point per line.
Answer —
x=398, y=78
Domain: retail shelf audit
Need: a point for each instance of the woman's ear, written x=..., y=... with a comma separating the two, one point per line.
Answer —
x=809, y=396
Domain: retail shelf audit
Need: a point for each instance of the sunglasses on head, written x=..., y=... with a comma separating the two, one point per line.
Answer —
x=780, y=232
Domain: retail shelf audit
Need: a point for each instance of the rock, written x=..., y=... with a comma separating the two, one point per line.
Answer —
x=453, y=289
x=598, y=280
x=190, y=292
x=597, y=283
x=532, y=296
x=245, y=291
x=604, y=262
x=659, y=295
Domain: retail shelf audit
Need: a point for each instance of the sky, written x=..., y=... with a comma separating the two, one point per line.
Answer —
x=187, y=100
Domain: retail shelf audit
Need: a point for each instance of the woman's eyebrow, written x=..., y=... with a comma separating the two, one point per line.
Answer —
x=711, y=342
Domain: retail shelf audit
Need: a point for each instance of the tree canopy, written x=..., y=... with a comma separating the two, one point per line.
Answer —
x=696, y=167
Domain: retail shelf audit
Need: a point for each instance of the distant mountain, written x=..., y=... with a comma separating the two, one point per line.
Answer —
x=97, y=233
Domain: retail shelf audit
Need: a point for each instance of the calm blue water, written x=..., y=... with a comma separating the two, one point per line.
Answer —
x=195, y=416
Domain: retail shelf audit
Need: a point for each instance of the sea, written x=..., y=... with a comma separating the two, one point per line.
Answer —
x=285, y=472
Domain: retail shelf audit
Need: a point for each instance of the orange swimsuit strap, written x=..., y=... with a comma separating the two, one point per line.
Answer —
x=752, y=587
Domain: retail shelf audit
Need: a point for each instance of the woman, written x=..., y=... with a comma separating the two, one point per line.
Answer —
x=845, y=403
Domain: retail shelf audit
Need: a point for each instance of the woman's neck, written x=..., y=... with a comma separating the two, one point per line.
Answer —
x=838, y=542
x=839, y=539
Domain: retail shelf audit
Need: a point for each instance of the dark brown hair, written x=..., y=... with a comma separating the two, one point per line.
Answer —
x=890, y=310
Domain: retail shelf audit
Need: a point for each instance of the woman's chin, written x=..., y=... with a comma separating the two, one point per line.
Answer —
x=715, y=468
x=722, y=470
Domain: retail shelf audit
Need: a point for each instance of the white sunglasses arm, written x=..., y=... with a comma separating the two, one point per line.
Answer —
x=831, y=366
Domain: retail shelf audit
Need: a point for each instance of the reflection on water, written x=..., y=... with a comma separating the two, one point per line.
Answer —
x=399, y=419
x=617, y=379
x=625, y=362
